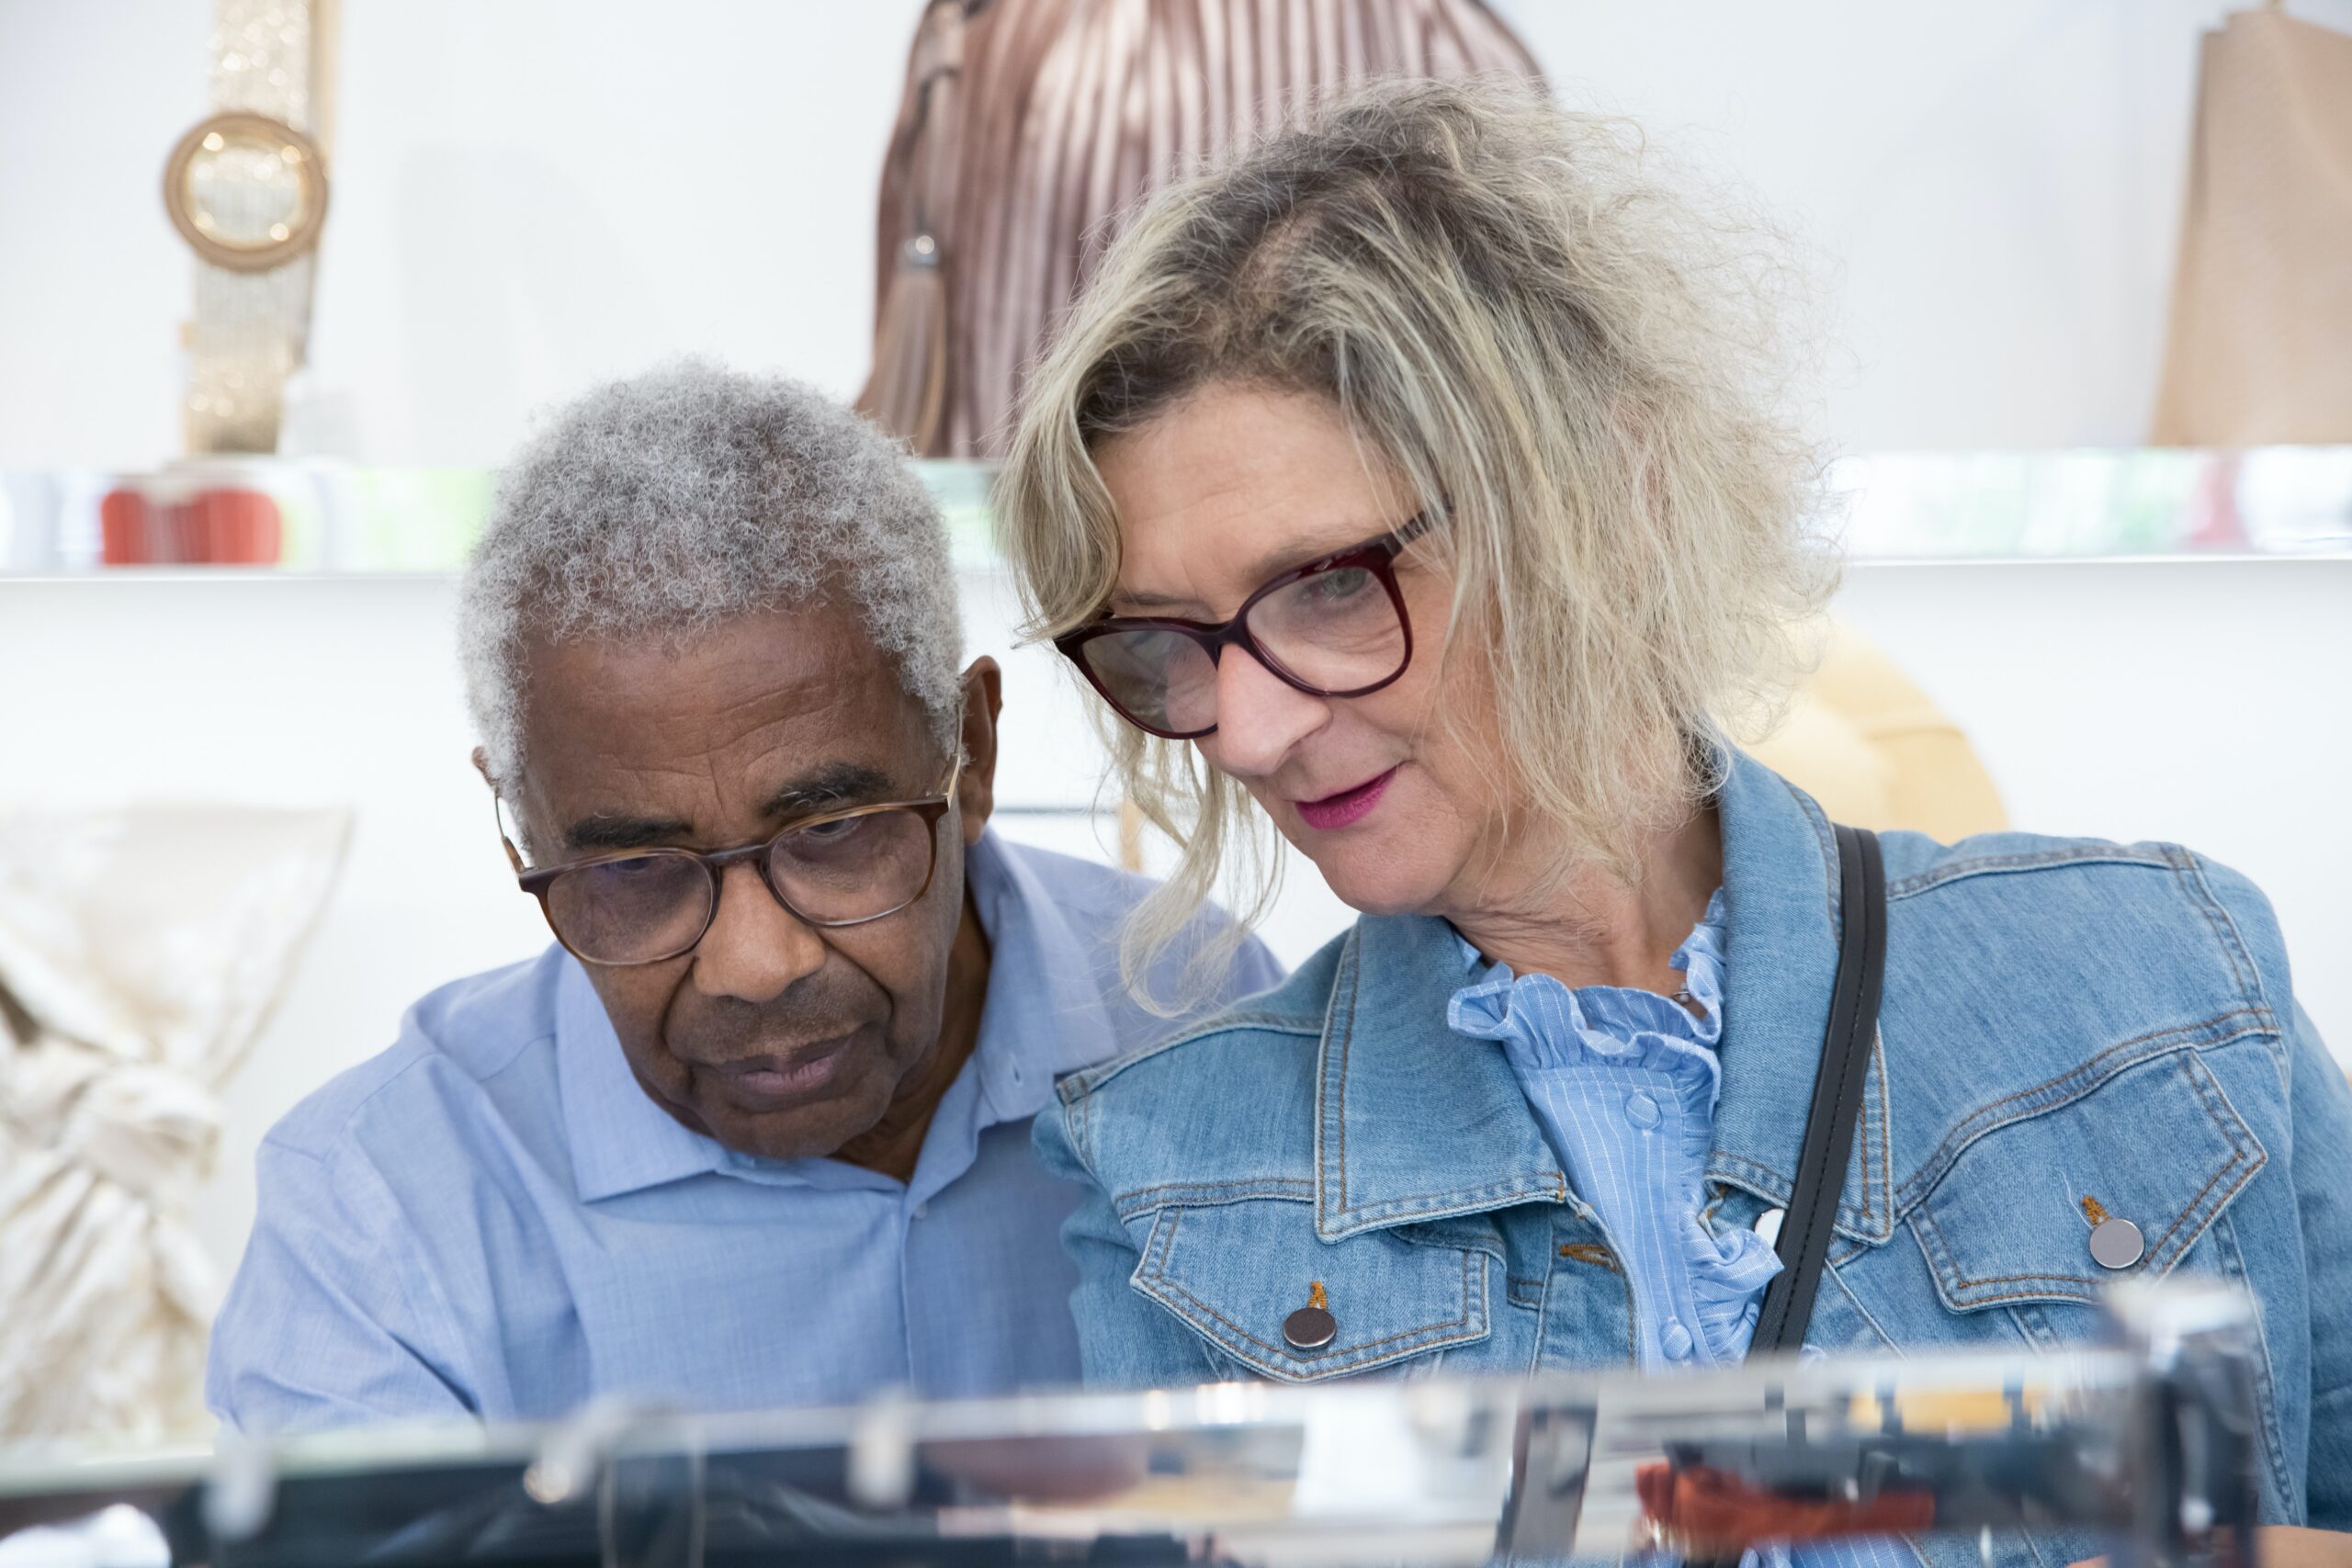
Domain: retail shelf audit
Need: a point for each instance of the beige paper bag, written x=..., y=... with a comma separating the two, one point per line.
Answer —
x=2260, y=350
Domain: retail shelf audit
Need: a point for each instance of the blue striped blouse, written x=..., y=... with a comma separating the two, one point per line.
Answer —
x=1624, y=1083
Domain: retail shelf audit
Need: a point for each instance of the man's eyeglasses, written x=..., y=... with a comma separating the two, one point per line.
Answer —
x=1334, y=627
x=836, y=868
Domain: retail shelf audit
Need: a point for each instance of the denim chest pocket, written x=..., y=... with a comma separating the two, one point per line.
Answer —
x=2010, y=1219
x=1236, y=1272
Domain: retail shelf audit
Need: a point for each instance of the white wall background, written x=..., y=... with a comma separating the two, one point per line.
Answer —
x=535, y=194
x=531, y=195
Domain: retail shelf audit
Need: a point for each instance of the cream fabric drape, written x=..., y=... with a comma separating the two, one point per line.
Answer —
x=140, y=952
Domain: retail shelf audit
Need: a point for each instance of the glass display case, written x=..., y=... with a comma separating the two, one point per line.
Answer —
x=2143, y=1448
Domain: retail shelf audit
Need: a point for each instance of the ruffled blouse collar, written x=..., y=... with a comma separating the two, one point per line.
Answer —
x=1612, y=1031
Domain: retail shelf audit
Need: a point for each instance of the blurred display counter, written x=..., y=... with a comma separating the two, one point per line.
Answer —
x=2145, y=1446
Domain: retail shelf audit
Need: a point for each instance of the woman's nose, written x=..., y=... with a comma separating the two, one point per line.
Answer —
x=1260, y=718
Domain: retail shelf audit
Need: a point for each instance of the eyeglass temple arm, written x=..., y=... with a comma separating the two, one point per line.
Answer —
x=498, y=814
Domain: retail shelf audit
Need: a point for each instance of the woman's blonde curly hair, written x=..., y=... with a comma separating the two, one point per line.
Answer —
x=1523, y=327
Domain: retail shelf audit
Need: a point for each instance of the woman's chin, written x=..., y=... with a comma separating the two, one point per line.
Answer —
x=1373, y=883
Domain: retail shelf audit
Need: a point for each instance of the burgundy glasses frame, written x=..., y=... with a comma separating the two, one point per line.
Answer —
x=1378, y=556
x=538, y=884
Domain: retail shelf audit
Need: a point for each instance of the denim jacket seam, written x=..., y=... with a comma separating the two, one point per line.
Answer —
x=2088, y=1076
x=1075, y=1114
x=1131, y=1205
x=2022, y=861
x=1539, y=1187
x=1491, y=1246
x=2232, y=941
x=2246, y=1148
x=2086, y=1292
x=2266, y=1400
x=1354, y=1358
x=1886, y=1136
x=1086, y=1080
x=1837, y=1276
x=1335, y=1115
x=2242, y=1161
x=1779, y=1187
x=1824, y=837
x=2200, y=894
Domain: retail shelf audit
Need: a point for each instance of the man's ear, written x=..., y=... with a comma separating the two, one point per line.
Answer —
x=502, y=811
x=983, y=700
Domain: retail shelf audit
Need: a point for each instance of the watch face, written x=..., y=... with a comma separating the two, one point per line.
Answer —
x=246, y=192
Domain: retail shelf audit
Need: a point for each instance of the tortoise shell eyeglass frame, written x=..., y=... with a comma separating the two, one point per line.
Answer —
x=1378, y=556
x=540, y=883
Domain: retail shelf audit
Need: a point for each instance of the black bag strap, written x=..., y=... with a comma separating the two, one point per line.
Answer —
x=1837, y=1095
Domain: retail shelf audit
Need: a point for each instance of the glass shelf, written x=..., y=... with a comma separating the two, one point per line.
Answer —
x=314, y=517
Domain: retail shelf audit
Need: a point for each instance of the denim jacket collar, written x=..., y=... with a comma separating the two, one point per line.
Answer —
x=1405, y=1133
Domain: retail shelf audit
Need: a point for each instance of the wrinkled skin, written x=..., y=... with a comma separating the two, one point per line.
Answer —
x=776, y=1038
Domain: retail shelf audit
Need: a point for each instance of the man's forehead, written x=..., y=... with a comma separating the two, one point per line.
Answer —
x=779, y=694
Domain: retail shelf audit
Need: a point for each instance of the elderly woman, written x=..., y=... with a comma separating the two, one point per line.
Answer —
x=1414, y=483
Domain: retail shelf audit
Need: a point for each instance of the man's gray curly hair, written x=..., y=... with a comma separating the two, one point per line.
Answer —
x=664, y=503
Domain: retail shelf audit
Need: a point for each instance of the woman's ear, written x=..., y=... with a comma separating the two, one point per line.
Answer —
x=983, y=700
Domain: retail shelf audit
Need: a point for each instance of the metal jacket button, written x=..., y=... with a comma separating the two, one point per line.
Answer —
x=2116, y=1243
x=1312, y=1327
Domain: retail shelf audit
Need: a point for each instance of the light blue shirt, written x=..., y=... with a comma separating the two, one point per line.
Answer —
x=492, y=1219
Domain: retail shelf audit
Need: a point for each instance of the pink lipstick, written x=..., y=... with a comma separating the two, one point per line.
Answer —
x=1346, y=807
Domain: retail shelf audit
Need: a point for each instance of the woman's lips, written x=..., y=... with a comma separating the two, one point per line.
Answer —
x=1346, y=807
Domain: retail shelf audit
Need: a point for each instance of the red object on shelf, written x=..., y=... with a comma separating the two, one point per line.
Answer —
x=142, y=523
x=124, y=520
x=237, y=527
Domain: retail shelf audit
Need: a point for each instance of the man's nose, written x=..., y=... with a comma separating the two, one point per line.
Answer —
x=756, y=947
x=1260, y=718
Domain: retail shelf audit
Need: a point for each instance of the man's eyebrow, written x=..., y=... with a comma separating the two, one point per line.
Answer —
x=820, y=788
x=611, y=831
x=828, y=785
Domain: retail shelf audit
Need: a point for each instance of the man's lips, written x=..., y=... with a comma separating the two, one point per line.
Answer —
x=768, y=1082
x=1348, y=807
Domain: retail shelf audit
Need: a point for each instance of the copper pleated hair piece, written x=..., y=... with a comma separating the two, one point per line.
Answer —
x=1032, y=130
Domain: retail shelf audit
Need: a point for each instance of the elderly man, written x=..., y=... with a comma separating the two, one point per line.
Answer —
x=757, y=1131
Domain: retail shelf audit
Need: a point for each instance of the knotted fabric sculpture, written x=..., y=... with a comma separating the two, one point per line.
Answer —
x=141, y=952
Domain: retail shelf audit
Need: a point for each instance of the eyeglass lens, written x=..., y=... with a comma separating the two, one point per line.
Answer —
x=642, y=908
x=1329, y=632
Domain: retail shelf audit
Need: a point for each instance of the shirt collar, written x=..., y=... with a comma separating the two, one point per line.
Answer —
x=621, y=1141
x=1043, y=1015
x=1405, y=1133
x=1048, y=975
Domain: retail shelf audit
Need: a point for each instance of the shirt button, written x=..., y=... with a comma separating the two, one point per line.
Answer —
x=1641, y=1109
x=1675, y=1340
x=922, y=1211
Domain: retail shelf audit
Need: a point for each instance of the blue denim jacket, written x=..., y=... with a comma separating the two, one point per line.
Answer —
x=2064, y=1020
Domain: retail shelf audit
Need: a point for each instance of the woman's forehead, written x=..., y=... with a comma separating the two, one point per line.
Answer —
x=1230, y=486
